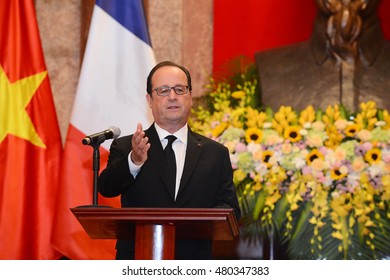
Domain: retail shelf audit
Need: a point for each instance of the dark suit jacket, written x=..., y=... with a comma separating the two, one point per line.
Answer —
x=206, y=182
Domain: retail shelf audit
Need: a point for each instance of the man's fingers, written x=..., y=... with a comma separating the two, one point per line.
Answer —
x=140, y=145
x=138, y=137
x=146, y=149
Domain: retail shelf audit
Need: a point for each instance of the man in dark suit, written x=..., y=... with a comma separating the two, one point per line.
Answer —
x=138, y=168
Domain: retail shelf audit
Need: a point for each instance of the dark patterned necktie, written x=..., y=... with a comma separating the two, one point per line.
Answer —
x=170, y=154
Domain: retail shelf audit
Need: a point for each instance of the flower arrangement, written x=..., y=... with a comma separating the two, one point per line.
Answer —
x=319, y=179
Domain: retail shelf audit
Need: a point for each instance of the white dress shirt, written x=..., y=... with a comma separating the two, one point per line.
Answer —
x=179, y=147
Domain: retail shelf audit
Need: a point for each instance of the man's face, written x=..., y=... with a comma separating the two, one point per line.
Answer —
x=170, y=112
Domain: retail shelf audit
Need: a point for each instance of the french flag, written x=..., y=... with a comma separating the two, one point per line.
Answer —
x=111, y=92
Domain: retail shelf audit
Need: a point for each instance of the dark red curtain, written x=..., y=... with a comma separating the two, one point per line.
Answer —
x=244, y=27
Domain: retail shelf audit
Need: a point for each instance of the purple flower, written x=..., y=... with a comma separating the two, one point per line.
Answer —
x=359, y=150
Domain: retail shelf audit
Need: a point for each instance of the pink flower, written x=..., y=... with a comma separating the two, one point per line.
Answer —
x=367, y=146
x=306, y=170
x=240, y=147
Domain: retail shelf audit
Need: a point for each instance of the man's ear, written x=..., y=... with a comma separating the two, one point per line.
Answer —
x=149, y=99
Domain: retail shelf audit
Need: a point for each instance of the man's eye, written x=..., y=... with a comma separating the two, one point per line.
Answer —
x=164, y=90
x=179, y=89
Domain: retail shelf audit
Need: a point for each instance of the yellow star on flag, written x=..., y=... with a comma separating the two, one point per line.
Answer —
x=14, y=98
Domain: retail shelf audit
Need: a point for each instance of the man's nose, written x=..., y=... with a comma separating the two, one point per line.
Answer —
x=172, y=93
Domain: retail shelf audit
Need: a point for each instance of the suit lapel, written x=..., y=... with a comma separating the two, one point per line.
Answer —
x=194, y=150
x=157, y=157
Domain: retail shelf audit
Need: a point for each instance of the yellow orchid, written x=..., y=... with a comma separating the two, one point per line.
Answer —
x=238, y=94
x=308, y=115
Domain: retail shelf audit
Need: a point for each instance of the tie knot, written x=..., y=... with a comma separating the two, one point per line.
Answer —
x=171, y=139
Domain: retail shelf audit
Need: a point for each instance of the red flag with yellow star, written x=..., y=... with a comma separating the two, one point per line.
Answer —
x=30, y=140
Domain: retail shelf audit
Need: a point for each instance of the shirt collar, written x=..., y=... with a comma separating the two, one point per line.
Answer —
x=181, y=134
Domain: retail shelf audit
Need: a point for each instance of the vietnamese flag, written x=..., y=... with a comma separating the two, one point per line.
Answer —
x=30, y=141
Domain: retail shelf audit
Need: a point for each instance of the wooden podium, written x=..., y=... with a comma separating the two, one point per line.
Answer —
x=156, y=229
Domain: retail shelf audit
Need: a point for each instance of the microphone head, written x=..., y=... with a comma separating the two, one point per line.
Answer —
x=116, y=132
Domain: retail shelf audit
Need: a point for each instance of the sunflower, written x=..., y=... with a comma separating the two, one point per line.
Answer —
x=351, y=130
x=266, y=157
x=373, y=156
x=253, y=134
x=314, y=154
x=338, y=173
x=292, y=133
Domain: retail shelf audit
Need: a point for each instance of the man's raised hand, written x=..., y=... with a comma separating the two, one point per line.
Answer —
x=140, y=145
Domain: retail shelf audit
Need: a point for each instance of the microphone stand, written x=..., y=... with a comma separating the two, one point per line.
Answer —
x=96, y=168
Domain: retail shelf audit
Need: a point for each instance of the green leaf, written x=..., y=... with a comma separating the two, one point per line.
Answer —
x=303, y=220
x=319, y=114
x=359, y=233
x=280, y=212
x=259, y=205
x=343, y=111
x=269, y=113
x=380, y=115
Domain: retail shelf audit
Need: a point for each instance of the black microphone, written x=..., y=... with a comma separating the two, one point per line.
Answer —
x=112, y=133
